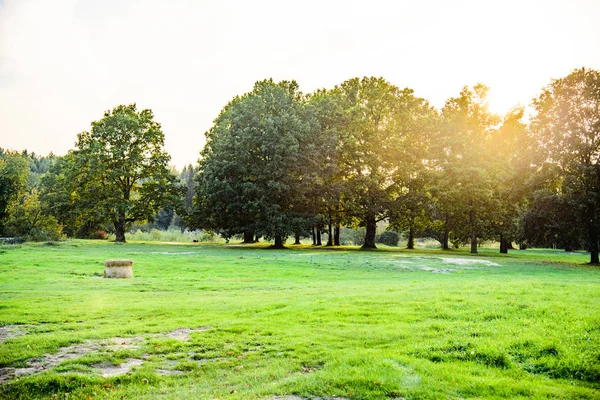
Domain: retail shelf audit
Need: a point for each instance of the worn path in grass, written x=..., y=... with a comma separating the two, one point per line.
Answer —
x=215, y=321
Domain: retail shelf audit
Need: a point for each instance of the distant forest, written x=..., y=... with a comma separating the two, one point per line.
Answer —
x=280, y=164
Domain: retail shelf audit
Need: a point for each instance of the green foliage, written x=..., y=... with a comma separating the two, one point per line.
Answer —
x=14, y=170
x=567, y=124
x=349, y=236
x=119, y=172
x=78, y=215
x=254, y=164
x=389, y=238
x=464, y=185
x=377, y=144
x=27, y=219
x=550, y=221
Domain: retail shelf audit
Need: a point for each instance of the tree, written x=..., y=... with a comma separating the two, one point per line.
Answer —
x=511, y=170
x=326, y=189
x=59, y=197
x=382, y=121
x=567, y=127
x=464, y=188
x=410, y=212
x=550, y=220
x=14, y=170
x=121, y=169
x=28, y=219
x=255, y=165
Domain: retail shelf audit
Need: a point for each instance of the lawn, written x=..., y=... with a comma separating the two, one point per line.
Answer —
x=246, y=322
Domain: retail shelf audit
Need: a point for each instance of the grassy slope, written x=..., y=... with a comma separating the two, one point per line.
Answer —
x=307, y=322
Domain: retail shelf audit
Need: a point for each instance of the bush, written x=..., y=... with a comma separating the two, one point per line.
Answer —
x=350, y=236
x=389, y=238
x=100, y=235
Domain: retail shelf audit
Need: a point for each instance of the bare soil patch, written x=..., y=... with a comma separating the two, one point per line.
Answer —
x=109, y=370
x=437, y=270
x=48, y=361
x=182, y=334
x=11, y=331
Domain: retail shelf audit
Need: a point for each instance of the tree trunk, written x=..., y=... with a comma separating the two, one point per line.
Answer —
x=248, y=237
x=278, y=242
x=297, y=237
x=330, y=232
x=474, y=244
x=336, y=235
x=593, y=233
x=473, y=234
x=120, y=228
x=256, y=239
x=446, y=237
x=371, y=225
x=314, y=236
x=319, y=243
x=411, y=239
x=522, y=246
x=503, y=245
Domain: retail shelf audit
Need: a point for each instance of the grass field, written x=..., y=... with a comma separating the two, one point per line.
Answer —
x=228, y=321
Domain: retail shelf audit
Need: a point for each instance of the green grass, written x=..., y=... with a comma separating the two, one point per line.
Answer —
x=302, y=321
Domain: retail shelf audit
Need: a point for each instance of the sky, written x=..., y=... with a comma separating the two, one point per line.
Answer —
x=64, y=62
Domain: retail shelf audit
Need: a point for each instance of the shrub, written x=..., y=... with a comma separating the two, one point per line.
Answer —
x=100, y=235
x=389, y=238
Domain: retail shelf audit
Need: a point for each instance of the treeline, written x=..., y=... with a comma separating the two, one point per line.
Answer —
x=281, y=164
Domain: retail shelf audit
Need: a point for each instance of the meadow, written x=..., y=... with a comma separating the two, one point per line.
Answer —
x=228, y=321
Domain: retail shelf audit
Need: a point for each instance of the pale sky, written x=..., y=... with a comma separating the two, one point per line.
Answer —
x=64, y=62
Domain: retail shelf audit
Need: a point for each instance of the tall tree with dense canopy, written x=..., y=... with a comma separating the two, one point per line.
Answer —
x=325, y=191
x=381, y=122
x=465, y=187
x=567, y=127
x=121, y=169
x=255, y=165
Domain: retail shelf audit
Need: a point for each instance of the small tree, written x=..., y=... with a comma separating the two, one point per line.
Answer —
x=27, y=219
x=14, y=170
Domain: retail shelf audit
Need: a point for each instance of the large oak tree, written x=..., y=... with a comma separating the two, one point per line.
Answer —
x=120, y=169
x=256, y=166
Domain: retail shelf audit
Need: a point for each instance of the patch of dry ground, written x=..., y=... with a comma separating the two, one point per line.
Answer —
x=11, y=331
x=106, y=370
x=302, y=398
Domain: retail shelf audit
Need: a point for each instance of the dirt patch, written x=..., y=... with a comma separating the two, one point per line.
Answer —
x=302, y=398
x=286, y=398
x=168, y=372
x=437, y=270
x=467, y=261
x=182, y=334
x=48, y=361
x=11, y=331
x=109, y=370
x=122, y=343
